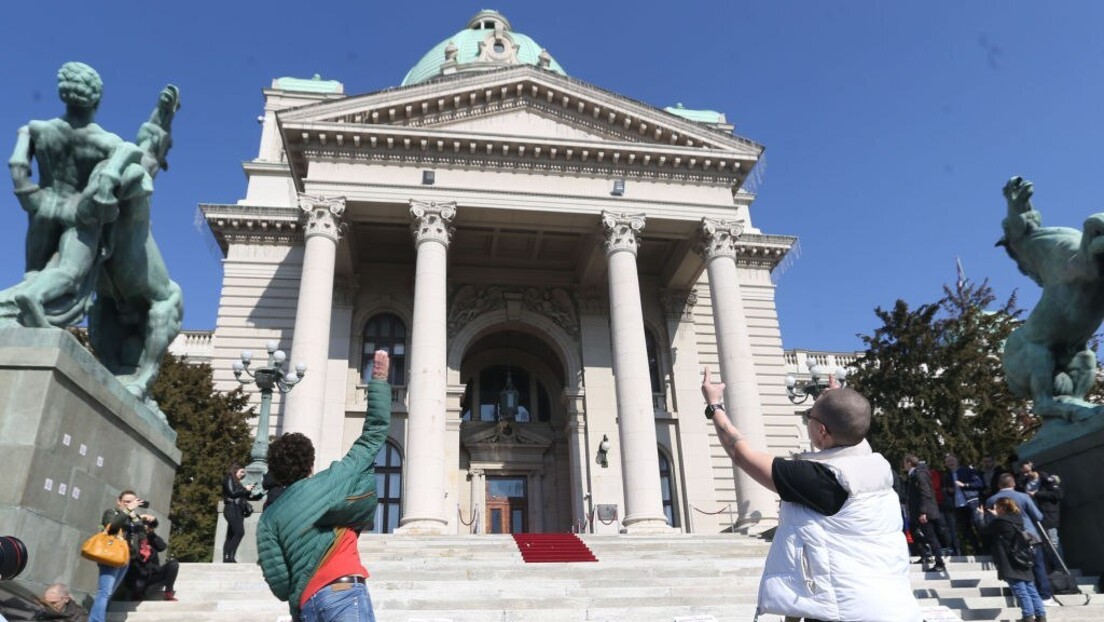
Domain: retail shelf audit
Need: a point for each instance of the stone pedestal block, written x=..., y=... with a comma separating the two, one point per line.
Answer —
x=72, y=437
x=247, y=550
x=1077, y=461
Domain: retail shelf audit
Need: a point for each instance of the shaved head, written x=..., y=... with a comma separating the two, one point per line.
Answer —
x=846, y=413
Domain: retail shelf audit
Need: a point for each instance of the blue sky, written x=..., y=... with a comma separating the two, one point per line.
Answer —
x=890, y=127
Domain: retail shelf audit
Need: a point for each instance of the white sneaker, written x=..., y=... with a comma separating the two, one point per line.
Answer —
x=1050, y=602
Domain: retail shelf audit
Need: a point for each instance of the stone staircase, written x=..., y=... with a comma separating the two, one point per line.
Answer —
x=637, y=579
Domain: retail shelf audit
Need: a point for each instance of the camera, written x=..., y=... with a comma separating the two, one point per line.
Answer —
x=13, y=557
x=152, y=523
x=143, y=504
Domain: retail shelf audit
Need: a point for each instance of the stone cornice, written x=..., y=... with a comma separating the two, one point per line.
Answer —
x=252, y=224
x=434, y=147
x=758, y=250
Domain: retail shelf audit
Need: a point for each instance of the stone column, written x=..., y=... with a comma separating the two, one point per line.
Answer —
x=636, y=416
x=311, y=341
x=427, y=386
x=742, y=401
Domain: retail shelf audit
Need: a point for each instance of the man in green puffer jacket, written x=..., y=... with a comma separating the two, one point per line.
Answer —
x=307, y=539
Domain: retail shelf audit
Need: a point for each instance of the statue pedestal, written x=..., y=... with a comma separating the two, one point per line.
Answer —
x=1077, y=461
x=247, y=550
x=72, y=437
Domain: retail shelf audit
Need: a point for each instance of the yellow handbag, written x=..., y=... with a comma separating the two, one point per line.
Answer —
x=104, y=548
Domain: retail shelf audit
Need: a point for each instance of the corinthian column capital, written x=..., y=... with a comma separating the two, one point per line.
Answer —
x=322, y=216
x=719, y=237
x=623, y=231
x=432, y=221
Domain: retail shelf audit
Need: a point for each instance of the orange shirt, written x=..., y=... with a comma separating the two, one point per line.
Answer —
x=343, y=559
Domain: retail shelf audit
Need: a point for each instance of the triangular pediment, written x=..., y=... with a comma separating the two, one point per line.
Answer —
x=526, y=121
x=523, y=100
x=520, y=118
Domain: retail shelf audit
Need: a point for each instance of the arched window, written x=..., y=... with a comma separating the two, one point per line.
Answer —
x=385, y=332
x=666, y=483
x=388, y=488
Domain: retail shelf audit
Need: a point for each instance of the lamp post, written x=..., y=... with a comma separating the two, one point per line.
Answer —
x=820, y=379
x=269, y=378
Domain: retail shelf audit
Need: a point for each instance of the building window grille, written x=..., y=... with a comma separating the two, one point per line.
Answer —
x=385, y=332
x=388, y=488
x=666, y=483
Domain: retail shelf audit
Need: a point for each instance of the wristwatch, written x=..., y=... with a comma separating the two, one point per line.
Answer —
x=712, y=408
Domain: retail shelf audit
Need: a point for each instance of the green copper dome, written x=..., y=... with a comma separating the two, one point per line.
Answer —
x=488, y=42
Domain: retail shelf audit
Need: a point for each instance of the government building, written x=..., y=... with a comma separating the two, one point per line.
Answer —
x=550, y=264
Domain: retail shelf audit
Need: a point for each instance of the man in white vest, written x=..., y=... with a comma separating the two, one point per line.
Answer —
x=839, y=552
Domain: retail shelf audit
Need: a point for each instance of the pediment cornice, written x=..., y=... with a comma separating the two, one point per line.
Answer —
x=412, y=124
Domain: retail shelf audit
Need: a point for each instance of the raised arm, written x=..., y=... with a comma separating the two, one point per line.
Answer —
x=20, y=163
x=756, y=463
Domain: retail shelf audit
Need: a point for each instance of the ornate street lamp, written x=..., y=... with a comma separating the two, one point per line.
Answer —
x=821, y=379
x=269, y=378
x=508, y=399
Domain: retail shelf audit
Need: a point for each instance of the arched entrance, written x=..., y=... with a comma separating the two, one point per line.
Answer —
x=512, y=432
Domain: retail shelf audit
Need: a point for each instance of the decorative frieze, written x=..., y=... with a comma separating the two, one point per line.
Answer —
x=623, y=231
x=322, y=215
x=432, y=221
x=469, y=303
x=679, y=304
x=719, y=238
x=554, y=303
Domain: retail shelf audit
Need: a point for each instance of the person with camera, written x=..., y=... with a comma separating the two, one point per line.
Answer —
x=121, y=518
x=147, y=575
x=1048, y=496
x=1004, y=523
x=839, y=552
x=235, y=497
x=307, y=541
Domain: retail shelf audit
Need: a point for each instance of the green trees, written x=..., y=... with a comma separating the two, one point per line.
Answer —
x=934, y=377
x=212, y=432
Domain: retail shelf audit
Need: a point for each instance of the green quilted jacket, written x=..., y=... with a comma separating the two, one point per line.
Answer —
x=297, y=532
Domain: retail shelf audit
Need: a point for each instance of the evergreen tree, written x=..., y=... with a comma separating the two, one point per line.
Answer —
x=934, y=377
x=212, y=432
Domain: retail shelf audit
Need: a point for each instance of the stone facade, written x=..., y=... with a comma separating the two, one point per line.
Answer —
x=520, y=224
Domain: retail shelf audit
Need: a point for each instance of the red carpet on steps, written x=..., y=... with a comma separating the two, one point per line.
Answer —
x=552, y=547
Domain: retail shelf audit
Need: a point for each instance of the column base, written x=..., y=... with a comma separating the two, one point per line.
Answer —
x=648, y=526
x=423, y=527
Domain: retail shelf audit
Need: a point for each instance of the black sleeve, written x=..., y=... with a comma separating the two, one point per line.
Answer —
x=809, y=483
x=157, y=542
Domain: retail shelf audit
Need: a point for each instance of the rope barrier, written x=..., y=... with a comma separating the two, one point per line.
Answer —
x=726, y=508
x=460, y=515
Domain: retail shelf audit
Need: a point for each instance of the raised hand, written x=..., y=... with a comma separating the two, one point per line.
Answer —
x=713, y=392
x=381, y=365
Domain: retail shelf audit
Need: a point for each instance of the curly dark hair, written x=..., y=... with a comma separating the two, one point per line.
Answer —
x=79, y=85
x=290, y=458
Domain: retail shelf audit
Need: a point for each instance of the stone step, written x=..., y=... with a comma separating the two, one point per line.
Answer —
x=483, y=579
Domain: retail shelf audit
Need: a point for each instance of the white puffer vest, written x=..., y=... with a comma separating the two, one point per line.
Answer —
x=850, y=566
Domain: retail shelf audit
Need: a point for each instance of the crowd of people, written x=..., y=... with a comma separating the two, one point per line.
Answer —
x=962, y=510
x=843, y=512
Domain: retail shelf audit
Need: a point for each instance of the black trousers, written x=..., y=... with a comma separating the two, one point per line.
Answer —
x=235, y=531
x=163, y=576
x=928, y=533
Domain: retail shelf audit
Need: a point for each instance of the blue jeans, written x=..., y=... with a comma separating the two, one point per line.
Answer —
x=1028, y=597
x=110, y=578
x=342, y=605
x=1042, y=581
